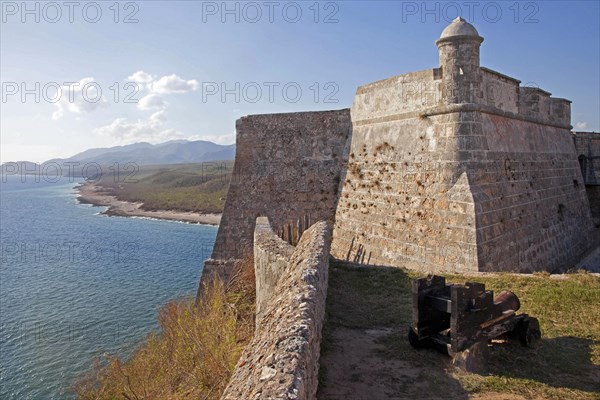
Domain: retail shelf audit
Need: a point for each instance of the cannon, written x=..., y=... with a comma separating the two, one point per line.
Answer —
x=459, y=320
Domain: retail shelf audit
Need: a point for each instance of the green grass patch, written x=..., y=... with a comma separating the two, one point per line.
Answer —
x=200, y=188
x=565, y=365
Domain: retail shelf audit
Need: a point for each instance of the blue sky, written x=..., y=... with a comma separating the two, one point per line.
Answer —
x=183, y=54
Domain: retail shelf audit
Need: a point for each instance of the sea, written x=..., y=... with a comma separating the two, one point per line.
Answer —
x=76, y=285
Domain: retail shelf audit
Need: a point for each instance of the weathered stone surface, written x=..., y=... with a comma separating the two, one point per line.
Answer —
x=271, y=258
x=287, y=166
x=587, y=145
x=456, y=168
x=460, y=169
x=282, y=360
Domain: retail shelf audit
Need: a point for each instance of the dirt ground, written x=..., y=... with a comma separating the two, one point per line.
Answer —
x=366, y=355
x=357, y=369
x=360, y=358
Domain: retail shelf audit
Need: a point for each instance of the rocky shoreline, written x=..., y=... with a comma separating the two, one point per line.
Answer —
x=90, y=193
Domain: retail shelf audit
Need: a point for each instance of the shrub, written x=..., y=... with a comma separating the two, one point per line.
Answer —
x=194, y=353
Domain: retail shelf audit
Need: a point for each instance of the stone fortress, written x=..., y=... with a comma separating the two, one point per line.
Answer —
x=455, y=168
x=451, y=169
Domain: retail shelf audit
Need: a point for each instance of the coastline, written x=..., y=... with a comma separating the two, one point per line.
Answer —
x=90, y=193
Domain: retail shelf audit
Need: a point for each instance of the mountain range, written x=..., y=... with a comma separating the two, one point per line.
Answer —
x=172, y=152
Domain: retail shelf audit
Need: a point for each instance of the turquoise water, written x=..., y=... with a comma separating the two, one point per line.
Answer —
x=75, y=284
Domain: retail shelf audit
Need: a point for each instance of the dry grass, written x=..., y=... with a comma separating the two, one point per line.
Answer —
x=195, y=352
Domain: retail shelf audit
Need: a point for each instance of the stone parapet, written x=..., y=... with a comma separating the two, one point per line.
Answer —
x=282, y=360
x=271, y=258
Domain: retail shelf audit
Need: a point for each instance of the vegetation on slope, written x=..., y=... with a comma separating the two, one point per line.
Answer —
x=565, y=365
x=193, y=355
x=200, y=188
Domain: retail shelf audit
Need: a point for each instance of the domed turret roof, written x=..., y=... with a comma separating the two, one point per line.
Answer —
x=459, y=28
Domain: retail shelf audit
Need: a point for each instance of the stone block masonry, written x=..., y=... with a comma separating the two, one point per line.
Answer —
x=282, y=360
x=457, y=168
x=460, y=169
x=271, y=258
x=287, y=166
x=587, y=145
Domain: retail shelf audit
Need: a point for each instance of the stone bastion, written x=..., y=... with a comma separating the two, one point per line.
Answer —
x=458, y=168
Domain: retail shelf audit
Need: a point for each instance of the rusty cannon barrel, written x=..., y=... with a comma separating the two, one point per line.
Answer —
x=507, y=300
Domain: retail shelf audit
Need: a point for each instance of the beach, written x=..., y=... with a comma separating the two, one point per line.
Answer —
x=90, y=193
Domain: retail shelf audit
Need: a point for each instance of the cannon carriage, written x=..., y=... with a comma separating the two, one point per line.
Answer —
x=456, y=319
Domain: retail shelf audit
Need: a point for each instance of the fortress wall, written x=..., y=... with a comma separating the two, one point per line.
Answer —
x=455, y=168
x=593, y=194
x=286, y=166
x=271, y=258
x=560, y=111
x=536, y=104
x=530, y=202
x=282, y=360
x=462, y=187
x=408, y=93
x=587, y=145
x=404, y=200
x=500, y=91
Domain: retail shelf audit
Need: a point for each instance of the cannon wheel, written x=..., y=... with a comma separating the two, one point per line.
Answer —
x=529, y=332
x=417, y=343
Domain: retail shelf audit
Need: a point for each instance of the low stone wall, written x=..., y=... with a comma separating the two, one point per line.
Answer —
x=271, y=258
x=282, y=360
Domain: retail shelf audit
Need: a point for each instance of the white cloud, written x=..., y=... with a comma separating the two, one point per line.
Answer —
x=163, y=85
x=140, y=77
x=159, y=117
x=151, y=101
x=82, y=97
x=581, y=125
x=173, y=84
x=151, y=130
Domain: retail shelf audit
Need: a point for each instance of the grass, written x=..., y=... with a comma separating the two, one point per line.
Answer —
x=193, y=355
x=200, y=188
x=567, y=362
x=565, y=365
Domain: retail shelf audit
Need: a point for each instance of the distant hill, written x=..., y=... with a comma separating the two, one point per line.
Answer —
x=173, y=152
x=93, y=153
x=143, y=154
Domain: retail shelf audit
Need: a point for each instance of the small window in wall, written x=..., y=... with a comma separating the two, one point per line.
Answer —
x=583, y=166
